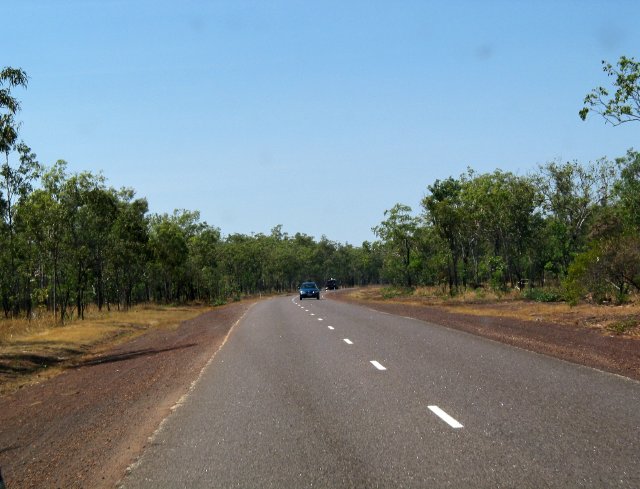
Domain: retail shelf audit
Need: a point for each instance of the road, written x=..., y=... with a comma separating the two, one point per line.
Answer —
x=327, y=394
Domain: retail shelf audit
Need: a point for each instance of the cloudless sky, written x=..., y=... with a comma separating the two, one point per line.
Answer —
x=317, y=115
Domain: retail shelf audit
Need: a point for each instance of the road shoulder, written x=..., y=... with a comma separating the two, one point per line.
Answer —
x=85, y=426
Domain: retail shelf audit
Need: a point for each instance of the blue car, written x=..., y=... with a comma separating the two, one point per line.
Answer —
x=309, y=289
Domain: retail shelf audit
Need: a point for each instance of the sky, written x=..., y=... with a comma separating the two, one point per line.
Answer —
x=314, y=115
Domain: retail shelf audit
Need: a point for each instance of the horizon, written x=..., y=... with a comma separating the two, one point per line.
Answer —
x=314, y=117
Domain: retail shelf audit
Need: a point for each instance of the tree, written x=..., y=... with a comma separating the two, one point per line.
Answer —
x=398, y=232
x=127, y=250
x=15, y=184
x=624, y=105
x=9, y=106
x=443, y=211
x=170, y=251
x=627, y=189
x=499, y=219
x=572, y=193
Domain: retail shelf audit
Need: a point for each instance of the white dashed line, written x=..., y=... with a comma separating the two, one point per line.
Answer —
x=445, y=417
x=330, y=327
x=312, y=314
x=320, y=319
x=348, y=341
x=378, y=365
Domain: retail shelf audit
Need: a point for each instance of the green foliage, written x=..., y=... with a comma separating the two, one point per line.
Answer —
x=69, y=240
x=391, y=292
x=624, y=104
x=486, y=224
x=600, y=274
x=624, y=325
x=398, y=232
x=497, y=269
x=539, y=294
x=9, y=106
x=627, y=189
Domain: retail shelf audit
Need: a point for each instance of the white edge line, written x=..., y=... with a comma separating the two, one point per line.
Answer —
x=184, y=397
x=378, y=365
x=445, y=417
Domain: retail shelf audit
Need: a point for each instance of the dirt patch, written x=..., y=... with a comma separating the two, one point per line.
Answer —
x=580, y=335
x=83, y=427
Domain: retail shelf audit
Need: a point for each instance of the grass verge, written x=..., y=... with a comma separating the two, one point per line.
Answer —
x=31, y=351
x=607, y=319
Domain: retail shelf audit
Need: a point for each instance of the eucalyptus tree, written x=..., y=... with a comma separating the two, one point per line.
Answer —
x=204, y=262
x=443, y=211
x=127, y=251
x=47, y=224
x=169, y=248
x=398, y=232
x=609, y=266
x=15, y=185
x=624, y=104
x=504, y=208
x=89, y=211
x=627, y=189
x=370, y=259
x=572, y=193
x=9, y=106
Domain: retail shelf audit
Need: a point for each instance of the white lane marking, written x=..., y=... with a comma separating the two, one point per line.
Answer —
x=378, y=365
x=445, y=417
x=312, y=314
x=330, y=327
x=348, y=341
x=320, y=319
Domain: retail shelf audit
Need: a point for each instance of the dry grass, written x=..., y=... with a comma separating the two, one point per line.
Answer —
x=609, y=319
x=37, y=349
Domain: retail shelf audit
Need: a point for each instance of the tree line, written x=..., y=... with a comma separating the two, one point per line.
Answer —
x=569, y=226
x=68, y=240
x=71, y=241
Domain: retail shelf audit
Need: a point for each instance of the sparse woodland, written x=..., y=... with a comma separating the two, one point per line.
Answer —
x=569, y=231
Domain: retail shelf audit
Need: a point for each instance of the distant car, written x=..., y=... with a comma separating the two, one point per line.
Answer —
x=332, y=284
x=309, y=289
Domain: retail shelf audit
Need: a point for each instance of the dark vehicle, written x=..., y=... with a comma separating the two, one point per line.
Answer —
x=309, y=289
x=332, y=284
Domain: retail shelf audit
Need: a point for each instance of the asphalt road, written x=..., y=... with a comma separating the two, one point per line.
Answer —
x=327, y=394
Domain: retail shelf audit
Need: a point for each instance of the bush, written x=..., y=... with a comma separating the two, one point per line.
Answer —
x=543, y=295
x=392, y=292
x=621, y=327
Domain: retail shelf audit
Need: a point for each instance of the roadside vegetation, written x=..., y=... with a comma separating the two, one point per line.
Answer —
x=37, y=349
x=570, y=231
x=623, y=320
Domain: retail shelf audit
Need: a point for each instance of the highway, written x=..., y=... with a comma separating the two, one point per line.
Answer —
x=319, y=393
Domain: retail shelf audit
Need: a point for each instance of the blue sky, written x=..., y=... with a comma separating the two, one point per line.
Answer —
x=310, y=114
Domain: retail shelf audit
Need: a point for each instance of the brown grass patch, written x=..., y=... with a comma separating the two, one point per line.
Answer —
x=608, y=319
x=31, y=351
